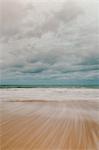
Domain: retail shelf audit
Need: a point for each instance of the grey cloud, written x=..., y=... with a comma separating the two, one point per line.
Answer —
x=39, y=53
x=36, y=70
x=19, y=20
x=91, y=60
x=49, y=57
x=11, y=15
x=69, y=11
x=82, y=69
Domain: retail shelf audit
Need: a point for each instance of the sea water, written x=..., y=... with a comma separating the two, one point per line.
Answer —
x=53, y=94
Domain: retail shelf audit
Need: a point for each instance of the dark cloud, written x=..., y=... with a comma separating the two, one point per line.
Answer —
x=36, y=70
x=82, y=69
x=50, y=57
x=91, y=60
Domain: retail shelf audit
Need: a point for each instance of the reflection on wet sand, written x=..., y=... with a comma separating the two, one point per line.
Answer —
x=50, y=125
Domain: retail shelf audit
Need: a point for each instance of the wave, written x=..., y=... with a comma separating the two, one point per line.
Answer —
x=52, y=94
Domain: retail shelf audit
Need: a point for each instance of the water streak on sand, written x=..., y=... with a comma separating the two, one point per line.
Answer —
x=57, y=94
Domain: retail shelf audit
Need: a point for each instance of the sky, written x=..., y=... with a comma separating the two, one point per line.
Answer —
x=49, y=42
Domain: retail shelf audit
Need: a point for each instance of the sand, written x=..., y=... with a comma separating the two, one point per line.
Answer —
x=50, y=125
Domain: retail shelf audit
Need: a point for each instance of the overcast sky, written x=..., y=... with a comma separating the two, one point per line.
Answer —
x=49, y=41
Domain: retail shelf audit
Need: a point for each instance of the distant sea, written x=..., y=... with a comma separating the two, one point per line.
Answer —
x=49, y=86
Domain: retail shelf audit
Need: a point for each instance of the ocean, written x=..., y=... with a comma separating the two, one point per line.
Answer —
x=53, y=94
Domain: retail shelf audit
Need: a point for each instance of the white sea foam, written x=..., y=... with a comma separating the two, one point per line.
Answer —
x=58, y=94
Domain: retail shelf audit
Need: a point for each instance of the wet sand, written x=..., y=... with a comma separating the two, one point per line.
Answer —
x=50, y=125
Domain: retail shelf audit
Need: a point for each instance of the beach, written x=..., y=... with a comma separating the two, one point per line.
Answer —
x=58, y=121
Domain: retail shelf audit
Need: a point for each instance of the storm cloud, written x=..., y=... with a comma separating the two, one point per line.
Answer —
x=49, y=42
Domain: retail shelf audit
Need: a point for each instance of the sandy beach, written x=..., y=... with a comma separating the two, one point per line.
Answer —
x=50, y=125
